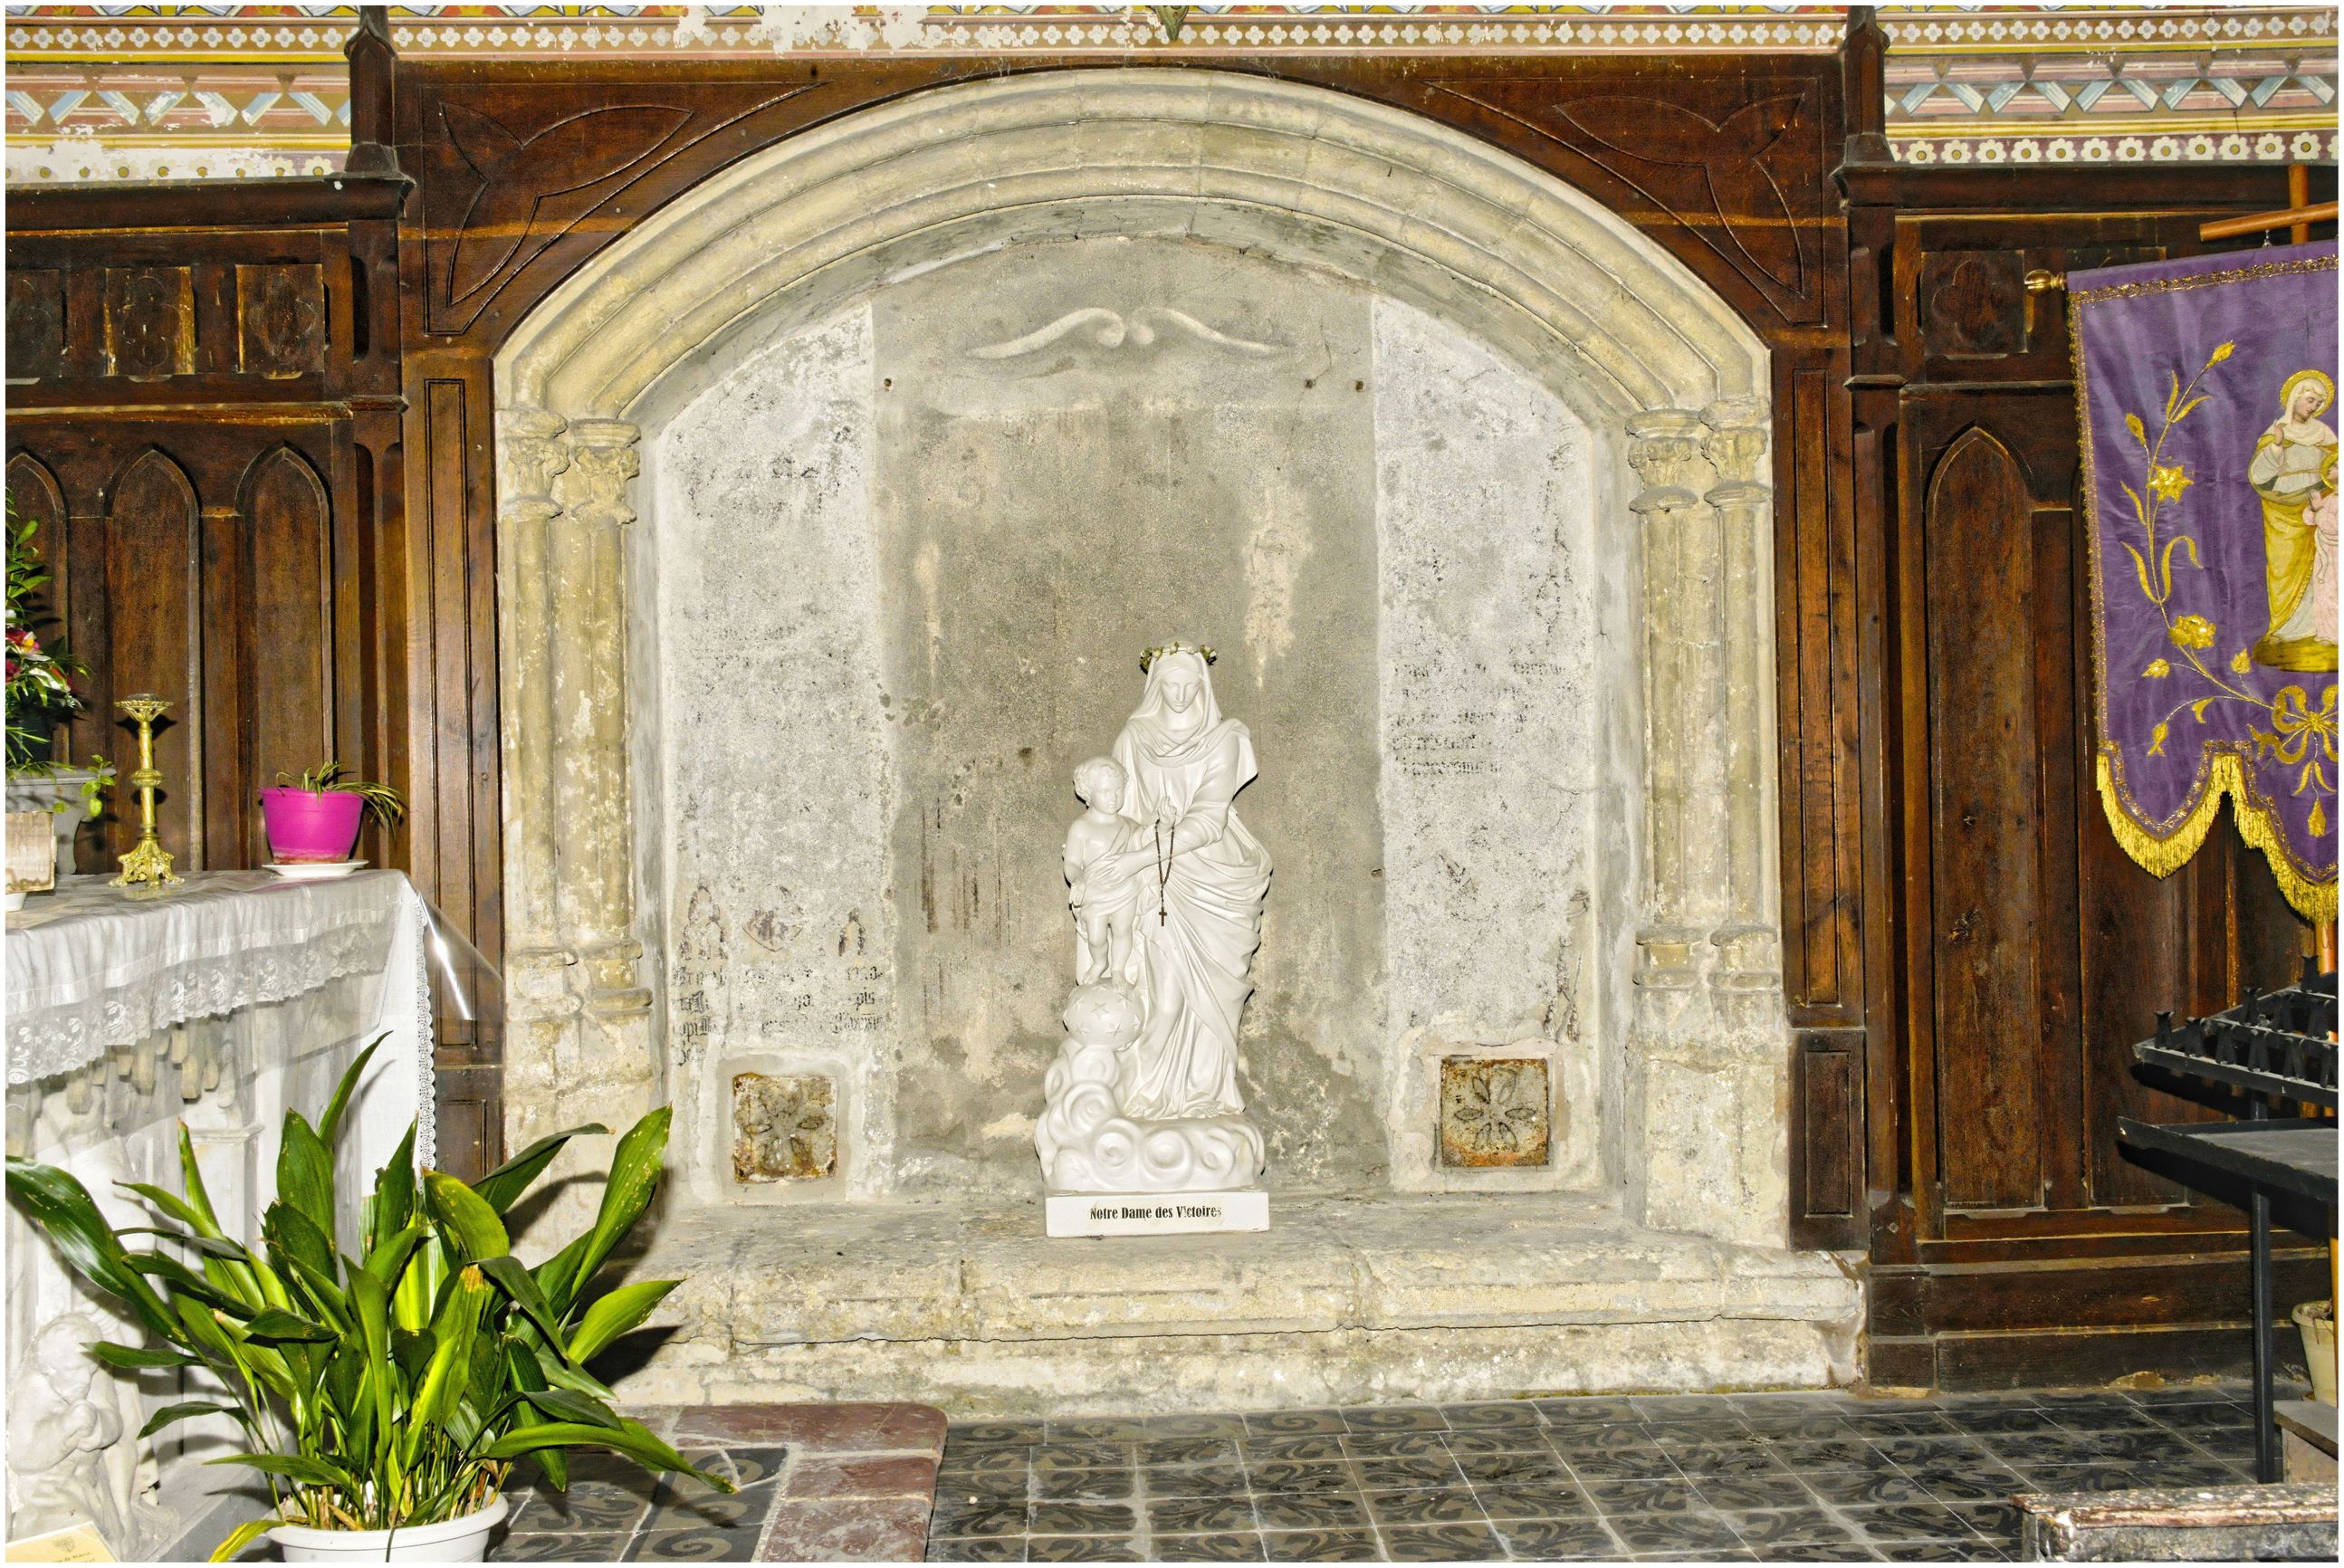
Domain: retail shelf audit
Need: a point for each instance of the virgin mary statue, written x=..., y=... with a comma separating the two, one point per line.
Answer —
x=1201, y=879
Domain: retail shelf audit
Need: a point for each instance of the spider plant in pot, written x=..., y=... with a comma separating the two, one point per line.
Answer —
x=315, y=817
x=383, y=1394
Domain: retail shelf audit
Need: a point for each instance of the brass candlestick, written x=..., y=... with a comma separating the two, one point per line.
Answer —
x=147, y=861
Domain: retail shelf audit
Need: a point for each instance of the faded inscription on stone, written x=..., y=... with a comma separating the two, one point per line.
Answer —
x=1493, y=1112
x=783, y=1128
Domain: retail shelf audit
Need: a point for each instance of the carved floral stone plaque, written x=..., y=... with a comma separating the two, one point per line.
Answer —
x=783, y=1128
x=1494, y=1112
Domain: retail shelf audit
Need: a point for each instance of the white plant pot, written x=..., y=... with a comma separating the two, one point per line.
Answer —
x=2316, y=1322
x=464, y=1540
x=42, y=792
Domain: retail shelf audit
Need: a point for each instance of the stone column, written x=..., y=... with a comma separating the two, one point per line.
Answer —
x=1664, y=449
x=1707, y=1066
x=578, y=1020
x=1747, y=977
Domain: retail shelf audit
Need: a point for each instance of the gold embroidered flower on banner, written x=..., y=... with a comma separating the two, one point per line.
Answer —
x=2192, y=631
x=2169, y=480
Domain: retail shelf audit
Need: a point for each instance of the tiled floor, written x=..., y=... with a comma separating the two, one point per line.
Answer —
x=823, y=1484
x=1806, y=1477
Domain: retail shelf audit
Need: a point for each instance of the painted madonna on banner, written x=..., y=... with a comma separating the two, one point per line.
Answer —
x=2208, y=393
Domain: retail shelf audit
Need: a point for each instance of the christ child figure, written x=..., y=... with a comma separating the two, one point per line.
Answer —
x=1104, y=903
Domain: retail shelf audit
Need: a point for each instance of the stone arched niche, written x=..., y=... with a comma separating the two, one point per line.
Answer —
x=1323, y=261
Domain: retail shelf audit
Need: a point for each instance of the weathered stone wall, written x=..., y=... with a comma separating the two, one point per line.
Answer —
x=894, y=580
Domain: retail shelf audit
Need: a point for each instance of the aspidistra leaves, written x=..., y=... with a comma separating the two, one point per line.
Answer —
x=499, y=1187
x=479, y=1233
x=399, y=1380
x=616, y=1314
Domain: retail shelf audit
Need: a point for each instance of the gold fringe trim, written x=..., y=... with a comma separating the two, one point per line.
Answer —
x=2314, y=899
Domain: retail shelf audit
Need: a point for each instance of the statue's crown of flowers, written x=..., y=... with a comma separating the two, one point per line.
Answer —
x=1148, y=656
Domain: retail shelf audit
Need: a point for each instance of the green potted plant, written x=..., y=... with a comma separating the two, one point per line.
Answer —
x=384, y=1392
x=314, y=819
x=39, y=695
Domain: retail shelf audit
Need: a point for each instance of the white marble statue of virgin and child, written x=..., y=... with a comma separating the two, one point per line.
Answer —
x=1165, y=885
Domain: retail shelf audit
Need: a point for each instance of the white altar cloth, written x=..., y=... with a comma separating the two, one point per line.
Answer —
x=93, y=968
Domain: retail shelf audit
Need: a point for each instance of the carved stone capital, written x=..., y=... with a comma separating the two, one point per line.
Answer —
x=603, y=460
x=530, y=453
x=1664, y=449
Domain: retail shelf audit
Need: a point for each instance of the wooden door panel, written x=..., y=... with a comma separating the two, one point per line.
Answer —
x=1978, y=525
x=154, y=612
x=289, y=582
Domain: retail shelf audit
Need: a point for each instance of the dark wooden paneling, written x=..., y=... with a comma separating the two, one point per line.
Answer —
x=2023, y=1245
x=1827, y=1157
x=1977, y=541
x=153, y=594
x=288, y=591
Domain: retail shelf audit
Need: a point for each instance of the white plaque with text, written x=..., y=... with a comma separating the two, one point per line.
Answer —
x=1155, y=1213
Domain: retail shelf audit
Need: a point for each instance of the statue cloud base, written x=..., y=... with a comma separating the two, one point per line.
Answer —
x=1088, y=1145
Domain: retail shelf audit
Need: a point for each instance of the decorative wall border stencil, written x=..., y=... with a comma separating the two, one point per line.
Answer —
x=114, y=93
x=1107, y=330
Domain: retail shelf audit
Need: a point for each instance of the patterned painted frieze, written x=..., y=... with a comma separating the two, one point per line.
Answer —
x=112, y=93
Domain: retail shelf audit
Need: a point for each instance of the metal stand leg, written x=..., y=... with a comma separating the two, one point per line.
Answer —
x=2266, y=1459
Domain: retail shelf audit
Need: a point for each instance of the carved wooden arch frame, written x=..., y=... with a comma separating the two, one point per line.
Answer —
x=1569, y=288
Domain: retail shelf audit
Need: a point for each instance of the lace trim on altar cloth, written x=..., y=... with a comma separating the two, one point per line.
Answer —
x=304, y=944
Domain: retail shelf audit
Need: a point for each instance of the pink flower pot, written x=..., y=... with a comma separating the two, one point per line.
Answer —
x=303, y=827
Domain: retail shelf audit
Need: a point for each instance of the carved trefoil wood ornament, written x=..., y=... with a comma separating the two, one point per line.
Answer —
x=1494, y=1112
x=280, y=320
x=1974, y=303
x=150, y=322
x=36, y=322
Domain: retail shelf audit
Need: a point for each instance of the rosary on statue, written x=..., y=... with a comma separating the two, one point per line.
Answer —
x=1163, y=868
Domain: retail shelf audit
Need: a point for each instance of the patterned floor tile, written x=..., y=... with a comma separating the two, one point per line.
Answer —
x=1081, y=1519
x=1200, y=1515
x=1386, y=1474
x=1083, y=1549
x=1195, y=1481
x=1481, y=1417
x=1309, y=1512
x=979, y=1548
x=1560, y=1501
x=1397, y=1445
x=1643, y=1533
x=1445, y=1543
x=694, y=1545
x=1500, y=1439
x=1234, y=1546
x=1396, y=1418
x=1188, y=1451
x=992, y=1433
x=1548, y=1539
x=1907, y=1522
x=1772, y=1530
x=1084, y=1486
x=1291, y=1423
x=555, y=1546
x=1323, y=1546
x=1433, y=1506
x=1310, y=1448
x=1312, y=1479
x=1742, y=1493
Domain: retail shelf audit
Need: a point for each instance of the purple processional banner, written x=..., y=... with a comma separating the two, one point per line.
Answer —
x=2206, y=393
